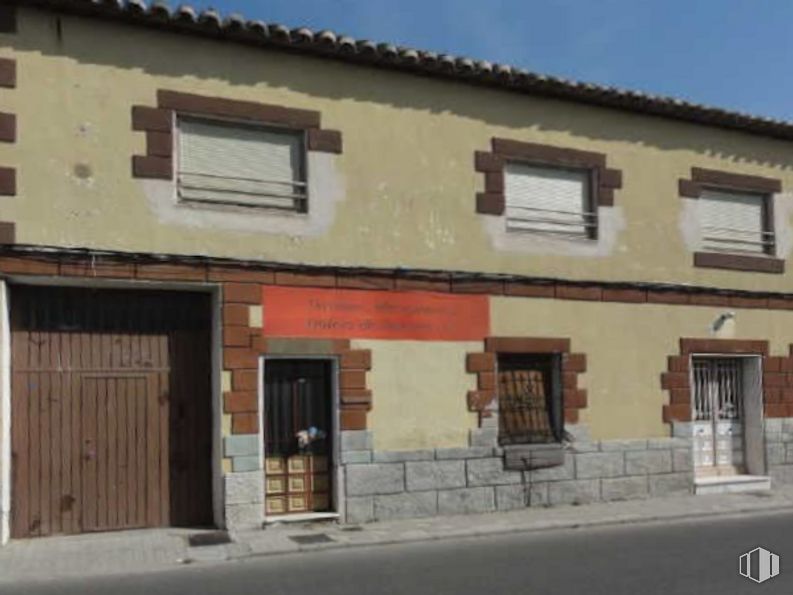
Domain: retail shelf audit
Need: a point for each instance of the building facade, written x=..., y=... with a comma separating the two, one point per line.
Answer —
x=254, y=274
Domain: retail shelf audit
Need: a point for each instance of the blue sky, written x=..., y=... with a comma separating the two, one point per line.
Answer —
x=736, y=54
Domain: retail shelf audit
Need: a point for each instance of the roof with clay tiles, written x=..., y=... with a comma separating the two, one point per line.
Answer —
x=325, y=43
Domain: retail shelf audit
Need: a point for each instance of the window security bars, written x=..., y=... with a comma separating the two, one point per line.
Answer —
x=717, y=389
x=246, y=192
x=580, y=224
x=727, y=239
x=529, y=399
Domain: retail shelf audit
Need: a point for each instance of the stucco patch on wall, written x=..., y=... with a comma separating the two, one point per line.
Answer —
x=783, y=211
x=326, y=188
x=611, y=222
x=689, y=224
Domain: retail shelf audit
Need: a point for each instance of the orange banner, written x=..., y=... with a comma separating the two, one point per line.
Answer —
x=349, y=313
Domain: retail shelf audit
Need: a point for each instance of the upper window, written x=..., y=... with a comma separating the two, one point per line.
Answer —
x=549, y=200
x=544, y=191
x=241, y=165
x=530, y=408
x=736, y=222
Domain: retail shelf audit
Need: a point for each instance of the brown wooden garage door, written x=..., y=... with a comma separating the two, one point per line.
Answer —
x=111, y=410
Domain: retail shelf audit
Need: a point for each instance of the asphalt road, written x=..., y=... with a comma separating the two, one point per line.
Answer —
x=699, y=558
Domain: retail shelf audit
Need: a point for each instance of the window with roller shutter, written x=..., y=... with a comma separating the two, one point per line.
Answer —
x=735, y=222
x=246, y=166
x=550, y=201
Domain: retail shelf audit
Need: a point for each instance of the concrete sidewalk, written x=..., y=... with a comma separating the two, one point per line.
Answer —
x=134, y=552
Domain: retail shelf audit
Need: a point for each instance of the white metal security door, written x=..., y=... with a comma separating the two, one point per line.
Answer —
x=718, y=416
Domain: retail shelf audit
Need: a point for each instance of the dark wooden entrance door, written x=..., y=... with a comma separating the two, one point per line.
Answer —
x=298, y=432
x=111, y=410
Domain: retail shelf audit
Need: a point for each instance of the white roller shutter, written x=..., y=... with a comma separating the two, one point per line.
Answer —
x=547, y=200
x=228, y=163
x=733, y=222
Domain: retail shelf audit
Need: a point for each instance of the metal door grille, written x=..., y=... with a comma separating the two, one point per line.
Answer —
x=718, y=415
x=717, y=389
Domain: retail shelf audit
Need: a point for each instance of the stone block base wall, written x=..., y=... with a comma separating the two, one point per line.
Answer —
x=385, y=485
x=779, y=449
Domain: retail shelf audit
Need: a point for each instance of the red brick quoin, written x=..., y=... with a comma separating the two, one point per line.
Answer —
x=484, y=366
x=777, y=376
x=243, y=345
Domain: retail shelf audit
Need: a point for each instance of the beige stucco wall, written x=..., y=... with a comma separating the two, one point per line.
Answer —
x=419, y=390
x=627, y=347
x=407, y=169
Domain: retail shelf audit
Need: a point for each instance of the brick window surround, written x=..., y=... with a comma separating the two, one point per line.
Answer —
x=243, y=345
x=777, y=376
x=603, y=180
x=721, y=180
x=484, y=365
x=159, y=124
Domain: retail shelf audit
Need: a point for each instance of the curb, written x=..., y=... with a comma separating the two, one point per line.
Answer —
x=243, y=547
x=550, y=527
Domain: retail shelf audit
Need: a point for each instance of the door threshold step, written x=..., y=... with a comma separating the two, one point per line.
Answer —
x=301, y=517
x=729, y=484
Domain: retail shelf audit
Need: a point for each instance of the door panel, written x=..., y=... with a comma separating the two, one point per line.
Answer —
x=718, y=416
x=111, y=451
x=298, y=436
x=111, y=410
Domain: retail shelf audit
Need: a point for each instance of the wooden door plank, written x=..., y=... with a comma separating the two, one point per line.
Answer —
x=89, y=447
x=191, y=369
x=150, y=431
x=114, y=411
x=78, y=344
x=56, y=446
x=20, y=430
x=35, y=436
x=65, y=505
x=201, y=461
x=56, y=425
x=180, y=474
x=123, y=460
x=141, y=406
x=132, y=462
x=101, y=452
x=152, y=427
x=160, y=349
x=111, y=489
x=45, y=413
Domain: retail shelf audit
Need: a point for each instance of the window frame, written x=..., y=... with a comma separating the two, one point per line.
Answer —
x=555, y=402
x=727, y=182
x=232, y=122
x=603, y=180
x=158, y=124
x=766, y=219
x=590, y=202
